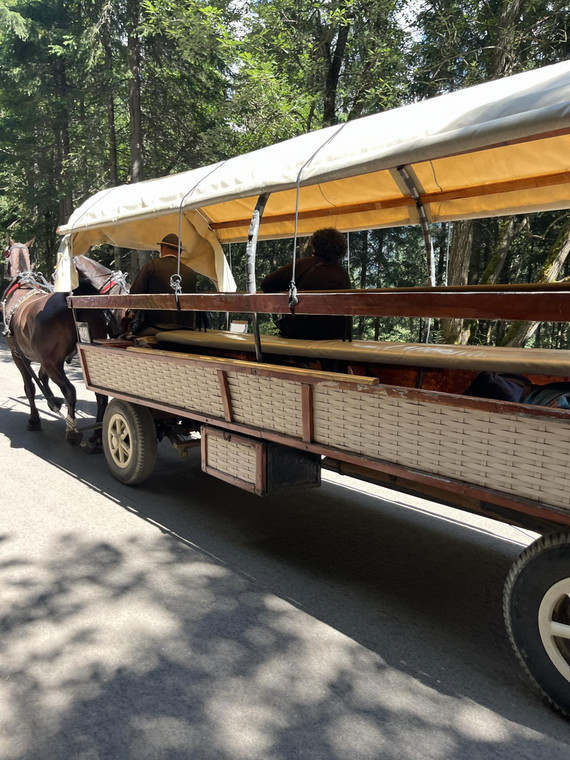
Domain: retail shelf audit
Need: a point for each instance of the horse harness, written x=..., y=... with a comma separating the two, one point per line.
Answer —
x=25, y=278
x=117, y=278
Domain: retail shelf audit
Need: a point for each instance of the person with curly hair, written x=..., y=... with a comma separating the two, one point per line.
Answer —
x=319, y=270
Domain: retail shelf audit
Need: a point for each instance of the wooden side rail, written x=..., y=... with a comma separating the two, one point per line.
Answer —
x=544, y=303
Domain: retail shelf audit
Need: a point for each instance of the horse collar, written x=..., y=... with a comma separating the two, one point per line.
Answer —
x=8, y=317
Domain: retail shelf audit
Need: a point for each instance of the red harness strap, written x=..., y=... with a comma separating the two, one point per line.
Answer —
x=14, y=287
x=107, y=287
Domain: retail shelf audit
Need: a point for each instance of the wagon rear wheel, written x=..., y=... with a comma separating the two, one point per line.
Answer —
x=537, y=615
x=129, y=441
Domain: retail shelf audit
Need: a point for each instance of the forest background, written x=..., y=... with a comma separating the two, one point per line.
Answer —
x=95, y=93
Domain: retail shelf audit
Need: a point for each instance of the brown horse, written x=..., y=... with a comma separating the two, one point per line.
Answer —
x=39, y=327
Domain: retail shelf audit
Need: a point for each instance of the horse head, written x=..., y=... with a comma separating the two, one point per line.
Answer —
x=17, y=257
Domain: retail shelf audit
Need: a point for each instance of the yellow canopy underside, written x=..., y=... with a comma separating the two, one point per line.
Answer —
x=499, y=181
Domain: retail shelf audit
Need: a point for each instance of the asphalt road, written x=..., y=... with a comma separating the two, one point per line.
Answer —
x=185, y=619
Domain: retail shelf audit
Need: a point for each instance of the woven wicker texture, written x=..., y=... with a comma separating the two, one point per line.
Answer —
x=232, y=457
x=267, y=402
x=520, y=455
x=184, y=385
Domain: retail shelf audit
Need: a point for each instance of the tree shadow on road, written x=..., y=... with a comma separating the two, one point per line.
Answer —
x=100, y=662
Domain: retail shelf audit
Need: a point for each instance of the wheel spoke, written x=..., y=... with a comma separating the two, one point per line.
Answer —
x=119, y=441
x=560, y=629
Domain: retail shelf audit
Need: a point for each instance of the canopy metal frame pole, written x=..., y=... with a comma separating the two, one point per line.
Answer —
x=250, y=252
x=424, y=224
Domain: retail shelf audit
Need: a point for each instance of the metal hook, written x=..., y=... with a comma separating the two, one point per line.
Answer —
x=293, y=300
x=176, y=285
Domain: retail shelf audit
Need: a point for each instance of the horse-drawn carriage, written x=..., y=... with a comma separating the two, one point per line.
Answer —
x=270, y=412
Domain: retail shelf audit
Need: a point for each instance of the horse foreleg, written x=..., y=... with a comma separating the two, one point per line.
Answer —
x=72, y=435
x=34, y=422
x=55, y=373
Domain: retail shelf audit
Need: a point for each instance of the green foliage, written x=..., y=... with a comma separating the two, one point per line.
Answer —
x=308, y=63
x=220, y=77
x=12, y=20
x=187, y=63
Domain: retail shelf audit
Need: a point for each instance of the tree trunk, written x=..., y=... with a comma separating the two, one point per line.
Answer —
x=111, y=132
x=509, y=229
x=520, y=332
x=441, y=273
x=135, y=114
x=134, y=59
x=458, y=330
x=62, y=140
x=334, y=63
x=506, y=44
x=503, y=57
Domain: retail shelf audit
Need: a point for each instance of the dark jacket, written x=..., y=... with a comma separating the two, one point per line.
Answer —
x=311, y=273
x=154, y=277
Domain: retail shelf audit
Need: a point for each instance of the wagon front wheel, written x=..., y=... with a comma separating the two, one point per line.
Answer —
x=129, y=441
x=537, y=615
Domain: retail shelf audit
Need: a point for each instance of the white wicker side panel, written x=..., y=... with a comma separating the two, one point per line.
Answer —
x=267, y=402
x=182, y=384
x=232, y=457
x=517, y=454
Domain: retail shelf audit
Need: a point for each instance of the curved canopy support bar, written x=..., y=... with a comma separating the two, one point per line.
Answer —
x=250, y=251
x=424, y=224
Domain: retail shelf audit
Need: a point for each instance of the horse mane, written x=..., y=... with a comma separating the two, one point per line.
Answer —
x=85, y=288
x=95, y=278
x=89, y=270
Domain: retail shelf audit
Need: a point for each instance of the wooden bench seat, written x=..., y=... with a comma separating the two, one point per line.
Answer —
x=530, y=361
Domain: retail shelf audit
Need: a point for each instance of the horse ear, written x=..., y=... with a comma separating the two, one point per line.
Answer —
x=10, y=241
x=30, y=243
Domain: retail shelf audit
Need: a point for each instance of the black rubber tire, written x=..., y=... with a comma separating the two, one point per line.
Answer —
x=129, y=441
x=536, y=599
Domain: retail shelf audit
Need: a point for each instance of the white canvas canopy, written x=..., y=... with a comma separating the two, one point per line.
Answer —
x=502, y=147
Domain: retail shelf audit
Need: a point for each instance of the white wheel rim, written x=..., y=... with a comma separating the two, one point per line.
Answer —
x=554, y=631
x=119, y=439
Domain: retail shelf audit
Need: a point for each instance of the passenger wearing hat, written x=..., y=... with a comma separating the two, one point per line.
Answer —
x=154, y=277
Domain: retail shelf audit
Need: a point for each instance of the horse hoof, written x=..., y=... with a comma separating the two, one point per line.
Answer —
x=34, y=425
x=93, y=447
x=55, y=404
x=73, y=437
